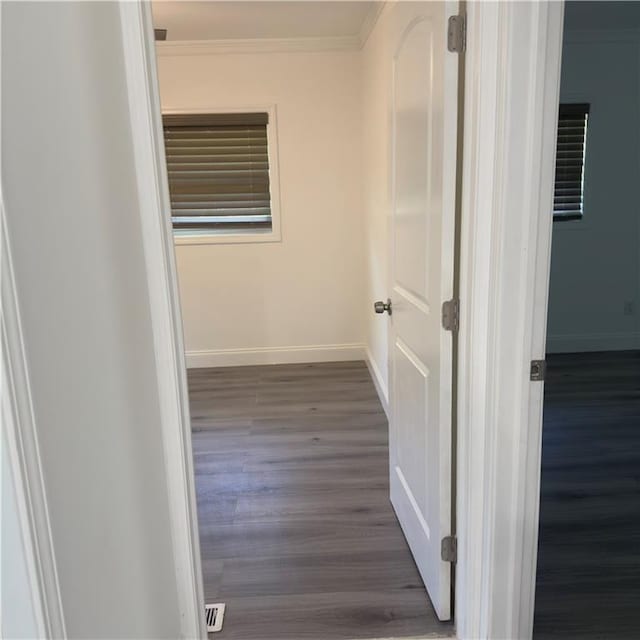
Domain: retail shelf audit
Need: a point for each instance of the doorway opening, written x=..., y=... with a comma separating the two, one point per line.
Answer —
x=294, y=132
x=588, y=578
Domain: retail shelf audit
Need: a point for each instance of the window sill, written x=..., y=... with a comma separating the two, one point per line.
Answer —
x=226, y=238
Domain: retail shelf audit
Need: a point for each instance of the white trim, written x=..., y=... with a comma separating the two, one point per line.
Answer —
x=275, y=235
x=369, y=23
x=274, y=45
x=274, y=355
x=511, y=105
x=256, y=45
x=153, y=194
x=572, y=343
x=376, y=376
x=24, y=456
x=224, y=238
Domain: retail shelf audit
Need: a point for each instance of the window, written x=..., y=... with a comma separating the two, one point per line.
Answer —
x=219, y=174
x=568, y=199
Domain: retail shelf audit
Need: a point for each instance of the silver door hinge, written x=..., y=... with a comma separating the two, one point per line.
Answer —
x=449, y=549
x=538, y=370
x=450, y=314
x=457, y=34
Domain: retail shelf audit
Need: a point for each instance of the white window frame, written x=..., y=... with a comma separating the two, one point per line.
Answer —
x=235, y=236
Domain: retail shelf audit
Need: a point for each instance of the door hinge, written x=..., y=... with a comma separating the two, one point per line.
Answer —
x=449, y=549
x=450, y=314
x=457, y=34
x=538, y=370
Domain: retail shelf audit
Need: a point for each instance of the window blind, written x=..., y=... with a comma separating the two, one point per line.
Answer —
x=218, y=167
x=570, y=156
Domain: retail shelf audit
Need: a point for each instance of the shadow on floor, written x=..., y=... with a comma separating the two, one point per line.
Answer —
x=588, y=583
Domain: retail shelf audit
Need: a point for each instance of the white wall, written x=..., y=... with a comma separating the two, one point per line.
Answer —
x=70, y=197
x=376, y=119
x=595, y=265
x=300, y=299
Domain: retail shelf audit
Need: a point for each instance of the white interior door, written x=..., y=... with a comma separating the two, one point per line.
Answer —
x=424, y=112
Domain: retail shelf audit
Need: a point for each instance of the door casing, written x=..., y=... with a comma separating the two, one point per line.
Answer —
x=512, y=85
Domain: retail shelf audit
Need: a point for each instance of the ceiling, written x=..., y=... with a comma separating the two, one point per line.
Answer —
x=231, y=20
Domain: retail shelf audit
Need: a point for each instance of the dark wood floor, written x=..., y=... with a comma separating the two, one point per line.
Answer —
x=589, y=553
x=297, y=533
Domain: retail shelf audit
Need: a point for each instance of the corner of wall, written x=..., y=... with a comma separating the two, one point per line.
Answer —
x=375, y=194
x=378, y=380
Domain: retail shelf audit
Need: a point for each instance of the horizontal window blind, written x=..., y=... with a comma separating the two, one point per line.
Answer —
x=568, y=197
x=218, y=166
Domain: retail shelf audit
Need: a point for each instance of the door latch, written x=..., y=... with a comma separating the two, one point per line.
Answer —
x=381, y=307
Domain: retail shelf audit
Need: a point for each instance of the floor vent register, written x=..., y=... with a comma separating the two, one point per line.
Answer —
x=214, y=614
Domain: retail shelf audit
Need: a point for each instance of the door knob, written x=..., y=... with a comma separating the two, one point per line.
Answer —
x=381, y=307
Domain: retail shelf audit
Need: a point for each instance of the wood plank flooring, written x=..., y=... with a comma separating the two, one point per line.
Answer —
x=297, y=533
x=588, y=583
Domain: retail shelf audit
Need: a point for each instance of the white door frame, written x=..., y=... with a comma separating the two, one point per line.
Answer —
x=19, y=430
x=154, y=204
x=19, y=436
x=511, y=99
x=511, y=105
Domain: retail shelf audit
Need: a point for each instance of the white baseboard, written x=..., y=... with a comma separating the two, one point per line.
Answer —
x=274, y=355
x=376, y=375
x=593, y=342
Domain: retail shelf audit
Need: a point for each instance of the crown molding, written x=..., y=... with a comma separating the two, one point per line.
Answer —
x=256, y=45
x=370, y=21
x=274, y=45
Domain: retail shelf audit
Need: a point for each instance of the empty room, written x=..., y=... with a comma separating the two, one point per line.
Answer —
x=275, y=118
x=588, y=583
